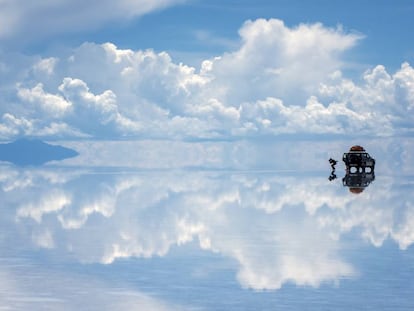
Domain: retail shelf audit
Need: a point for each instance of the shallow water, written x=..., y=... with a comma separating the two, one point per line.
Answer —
x=155, y=225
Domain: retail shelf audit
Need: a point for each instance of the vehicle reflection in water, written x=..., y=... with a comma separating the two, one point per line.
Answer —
x=357, y=182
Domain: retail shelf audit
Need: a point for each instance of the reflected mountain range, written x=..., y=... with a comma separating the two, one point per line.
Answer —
x=35, y=152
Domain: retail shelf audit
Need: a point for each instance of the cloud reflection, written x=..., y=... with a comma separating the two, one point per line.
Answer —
x=32, y=287
x=279, y=228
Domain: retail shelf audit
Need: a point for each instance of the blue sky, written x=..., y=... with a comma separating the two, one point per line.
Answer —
x=198, y=69
x=385, y=24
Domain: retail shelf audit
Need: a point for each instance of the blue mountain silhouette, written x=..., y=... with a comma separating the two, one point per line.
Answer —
x=33, y=152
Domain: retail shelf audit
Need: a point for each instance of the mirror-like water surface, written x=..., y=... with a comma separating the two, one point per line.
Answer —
x=184, y=226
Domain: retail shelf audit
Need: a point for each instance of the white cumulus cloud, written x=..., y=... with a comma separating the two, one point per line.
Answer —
x=53, y=104
x=281, y=80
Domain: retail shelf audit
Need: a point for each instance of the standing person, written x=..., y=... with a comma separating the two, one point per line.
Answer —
x=333, y=163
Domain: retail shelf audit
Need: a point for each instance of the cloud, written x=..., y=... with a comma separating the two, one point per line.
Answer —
x=52, y=203
x=384, y=99
x=48, y=18
x=277, y=61
x=12, y=126
x=55, y=105
x=63, y=290
x=280, y=80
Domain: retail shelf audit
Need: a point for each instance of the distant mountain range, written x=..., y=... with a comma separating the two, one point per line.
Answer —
x=33, y=152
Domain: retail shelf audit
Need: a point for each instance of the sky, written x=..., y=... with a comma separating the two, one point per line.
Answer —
x=193, y=69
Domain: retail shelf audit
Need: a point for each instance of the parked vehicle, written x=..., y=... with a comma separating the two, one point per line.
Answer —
x=357, y=160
